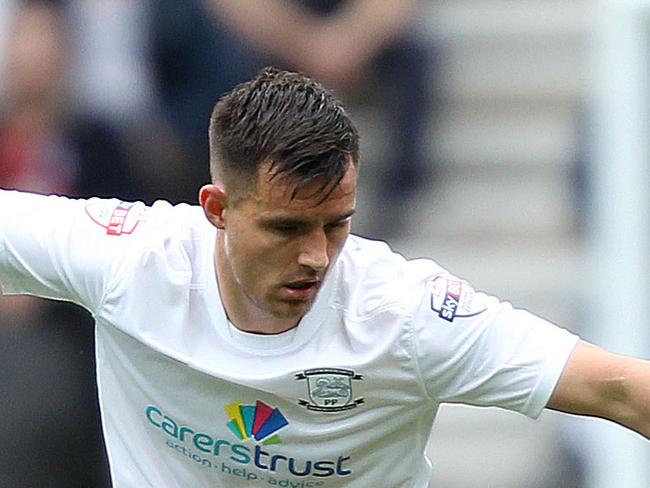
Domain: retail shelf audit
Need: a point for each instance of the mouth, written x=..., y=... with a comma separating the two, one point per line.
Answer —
x=301, y=290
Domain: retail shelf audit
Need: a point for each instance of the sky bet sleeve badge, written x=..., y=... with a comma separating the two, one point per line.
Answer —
x=117, y=219
x=452, y=298
x=329, y=389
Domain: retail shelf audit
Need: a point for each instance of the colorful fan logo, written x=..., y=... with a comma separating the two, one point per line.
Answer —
x=258, y=421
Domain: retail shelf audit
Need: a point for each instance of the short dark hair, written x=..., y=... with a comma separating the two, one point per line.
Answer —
x=287, y=120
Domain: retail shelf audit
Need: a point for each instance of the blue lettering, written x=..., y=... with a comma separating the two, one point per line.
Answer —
x=274, y=461
x=326, y=468
x=242, y=451
x=151, y=410
x=448, y=309
x=339, y=466
x=242, y=454
x=203, y=442
x=183, y=431
x=258, y=455
x=170, y=427
x=218, y=444
x=293, y=471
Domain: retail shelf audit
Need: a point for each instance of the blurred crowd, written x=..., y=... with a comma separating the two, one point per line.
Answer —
x=113, y=98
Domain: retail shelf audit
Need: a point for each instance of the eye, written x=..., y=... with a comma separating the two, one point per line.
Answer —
x=286, y=229
x=338, y=225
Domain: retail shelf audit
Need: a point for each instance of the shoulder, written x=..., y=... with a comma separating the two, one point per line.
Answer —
x=372, y=277
x=122, y=218
x=167, y=234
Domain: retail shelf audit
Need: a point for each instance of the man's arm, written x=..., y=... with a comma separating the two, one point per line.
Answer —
x=602, y=384
x=333, y=48
x=63, y=248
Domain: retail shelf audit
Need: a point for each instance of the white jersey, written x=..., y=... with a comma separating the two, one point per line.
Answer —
x=346, y=399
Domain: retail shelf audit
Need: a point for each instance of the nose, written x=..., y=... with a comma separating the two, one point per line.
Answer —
x=313, y=252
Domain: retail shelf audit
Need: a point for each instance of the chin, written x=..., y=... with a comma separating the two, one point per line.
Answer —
x=291, y=311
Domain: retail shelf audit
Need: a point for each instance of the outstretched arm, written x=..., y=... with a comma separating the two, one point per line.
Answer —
x=62, y=248
x=602, y=384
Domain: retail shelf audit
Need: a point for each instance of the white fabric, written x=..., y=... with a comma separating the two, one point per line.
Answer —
x=354, y=389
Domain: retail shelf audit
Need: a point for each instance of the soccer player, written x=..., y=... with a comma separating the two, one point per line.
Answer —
x=253, y=341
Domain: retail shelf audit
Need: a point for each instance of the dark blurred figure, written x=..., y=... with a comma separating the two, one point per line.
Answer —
x=368, y=51
x=195, y=59
x=50, y=434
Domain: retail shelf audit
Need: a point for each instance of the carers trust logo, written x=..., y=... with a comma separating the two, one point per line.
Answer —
x=259, y=422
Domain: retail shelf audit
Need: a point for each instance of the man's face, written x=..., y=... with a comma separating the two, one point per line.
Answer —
x=273, y=251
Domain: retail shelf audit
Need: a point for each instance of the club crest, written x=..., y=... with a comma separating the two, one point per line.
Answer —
x=330, y=389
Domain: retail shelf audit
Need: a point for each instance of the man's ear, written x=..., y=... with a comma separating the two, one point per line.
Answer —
x=213, y=201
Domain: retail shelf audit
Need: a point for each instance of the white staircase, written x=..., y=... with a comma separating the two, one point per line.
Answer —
x=503, y=213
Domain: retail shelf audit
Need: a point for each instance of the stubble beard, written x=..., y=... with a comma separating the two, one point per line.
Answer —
x=279, y=309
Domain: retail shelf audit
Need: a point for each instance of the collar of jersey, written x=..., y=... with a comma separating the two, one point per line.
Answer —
x=265, y=344
x=260, y=341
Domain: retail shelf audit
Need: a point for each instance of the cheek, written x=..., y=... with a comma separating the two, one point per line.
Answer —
x=335, y=245
x=254, y=258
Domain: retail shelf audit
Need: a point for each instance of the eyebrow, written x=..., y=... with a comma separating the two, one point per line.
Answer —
x=282, y=221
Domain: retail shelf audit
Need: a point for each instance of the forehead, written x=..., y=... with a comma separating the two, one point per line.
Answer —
x=277, y=194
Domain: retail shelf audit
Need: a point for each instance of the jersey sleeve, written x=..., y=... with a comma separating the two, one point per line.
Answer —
x=474, y=349
x=62, y=248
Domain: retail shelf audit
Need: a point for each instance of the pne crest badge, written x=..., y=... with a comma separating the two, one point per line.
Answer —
x=330, y=389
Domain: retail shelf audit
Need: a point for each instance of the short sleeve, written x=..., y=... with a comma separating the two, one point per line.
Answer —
x=63, y=248
x=475, y=349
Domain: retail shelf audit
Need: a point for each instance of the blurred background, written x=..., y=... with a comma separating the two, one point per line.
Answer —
x=507, y=140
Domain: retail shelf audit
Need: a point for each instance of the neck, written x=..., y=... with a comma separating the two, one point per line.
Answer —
x=240, y=309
